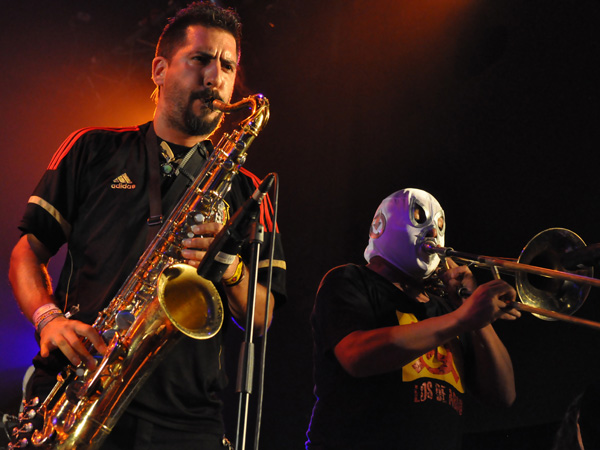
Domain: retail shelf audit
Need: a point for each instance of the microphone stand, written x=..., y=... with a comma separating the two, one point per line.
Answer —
x=246, y=360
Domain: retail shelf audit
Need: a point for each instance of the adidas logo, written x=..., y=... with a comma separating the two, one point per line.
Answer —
x=122, y=182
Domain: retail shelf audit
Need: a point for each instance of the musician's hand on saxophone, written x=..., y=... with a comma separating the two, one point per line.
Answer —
x=195, y=248
x=35, y=295
x=66, y=335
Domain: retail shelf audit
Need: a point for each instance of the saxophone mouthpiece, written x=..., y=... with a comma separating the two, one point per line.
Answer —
x=214, y=104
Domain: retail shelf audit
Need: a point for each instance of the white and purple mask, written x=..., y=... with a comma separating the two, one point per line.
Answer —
x=403, y=221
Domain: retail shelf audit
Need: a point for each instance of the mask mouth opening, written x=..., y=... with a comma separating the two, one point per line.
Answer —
x=428, y=241
x=428, y=260
x=426, y=238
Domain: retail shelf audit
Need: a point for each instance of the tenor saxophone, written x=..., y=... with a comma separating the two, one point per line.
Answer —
x=161, y=300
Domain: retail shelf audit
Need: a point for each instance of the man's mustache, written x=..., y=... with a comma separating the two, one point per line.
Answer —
x=206, y=95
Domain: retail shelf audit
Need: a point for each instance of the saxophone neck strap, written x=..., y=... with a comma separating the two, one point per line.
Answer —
x=185, y=174
x=153, y=151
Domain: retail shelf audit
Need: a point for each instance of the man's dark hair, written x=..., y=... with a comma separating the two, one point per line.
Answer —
x=202, y=13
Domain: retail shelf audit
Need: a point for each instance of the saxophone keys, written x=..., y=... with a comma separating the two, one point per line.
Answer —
x=27, y=415
x=22, y=443
x=124, y=319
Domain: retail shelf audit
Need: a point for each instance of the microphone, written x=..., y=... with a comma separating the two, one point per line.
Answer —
x=582, y=257
x=227, y=244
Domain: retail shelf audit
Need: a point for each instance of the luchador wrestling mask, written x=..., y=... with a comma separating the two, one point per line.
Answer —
x=403, y=221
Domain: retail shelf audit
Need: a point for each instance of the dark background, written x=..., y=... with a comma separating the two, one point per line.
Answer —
x=490, y=106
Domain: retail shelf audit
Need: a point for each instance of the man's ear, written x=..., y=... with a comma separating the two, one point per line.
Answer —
x=159, y=70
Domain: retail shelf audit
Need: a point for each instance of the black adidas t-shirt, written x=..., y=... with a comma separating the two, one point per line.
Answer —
x=94, y=197
x=418, y=407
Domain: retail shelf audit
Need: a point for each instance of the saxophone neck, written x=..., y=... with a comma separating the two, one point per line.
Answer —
x=258, y=104
x=252, y=101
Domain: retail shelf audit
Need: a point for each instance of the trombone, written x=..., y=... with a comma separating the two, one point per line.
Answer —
x=543, y=284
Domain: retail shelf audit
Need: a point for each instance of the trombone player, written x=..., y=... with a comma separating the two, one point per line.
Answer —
x=392, y=358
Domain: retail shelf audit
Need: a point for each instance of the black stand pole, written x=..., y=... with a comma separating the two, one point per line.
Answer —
x=246, y=360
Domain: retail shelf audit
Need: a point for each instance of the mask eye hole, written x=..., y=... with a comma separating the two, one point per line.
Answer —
x=441, y=223
x=419, y=215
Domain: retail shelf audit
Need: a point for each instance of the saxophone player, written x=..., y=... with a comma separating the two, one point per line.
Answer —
x=101, y=196
x=392, y=359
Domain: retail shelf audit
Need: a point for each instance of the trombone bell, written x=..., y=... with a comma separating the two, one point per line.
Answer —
x=547, y=249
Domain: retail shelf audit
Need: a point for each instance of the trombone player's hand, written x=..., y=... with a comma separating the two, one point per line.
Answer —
x=485, y=304
x=457, y=279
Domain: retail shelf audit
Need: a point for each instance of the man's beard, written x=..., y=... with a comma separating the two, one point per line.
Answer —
x=200, y=125
x=197, y=124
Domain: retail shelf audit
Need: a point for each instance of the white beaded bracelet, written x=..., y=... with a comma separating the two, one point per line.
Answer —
x=44, y=314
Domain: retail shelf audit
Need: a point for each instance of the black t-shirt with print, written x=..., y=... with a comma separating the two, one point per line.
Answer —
x=418, y=407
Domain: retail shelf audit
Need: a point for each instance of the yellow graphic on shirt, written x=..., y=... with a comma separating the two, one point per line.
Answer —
x=438, y=364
